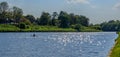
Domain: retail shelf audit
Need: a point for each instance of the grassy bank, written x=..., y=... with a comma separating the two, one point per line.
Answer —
x=89, y=29
x=115, y=52
x=34, y=28
x=7, y=28
x=38, y=28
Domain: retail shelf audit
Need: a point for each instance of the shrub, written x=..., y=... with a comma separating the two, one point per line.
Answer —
x=22, y=25
x=77, y=27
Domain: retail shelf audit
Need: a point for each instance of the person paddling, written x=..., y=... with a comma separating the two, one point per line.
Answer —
x=34, y=35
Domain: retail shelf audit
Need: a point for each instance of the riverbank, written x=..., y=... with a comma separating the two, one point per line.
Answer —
x=37, y=28
x=115, y=51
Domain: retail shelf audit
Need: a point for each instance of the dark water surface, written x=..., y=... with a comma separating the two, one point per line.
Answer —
x=61, y=44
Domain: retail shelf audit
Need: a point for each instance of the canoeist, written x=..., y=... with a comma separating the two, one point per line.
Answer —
x=34, y=35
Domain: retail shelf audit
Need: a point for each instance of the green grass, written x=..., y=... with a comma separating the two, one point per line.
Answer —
x=32, y=28
x=48, y=29
x=115, y=52
x=89, y=29
x=37, y=28
x=4, y=27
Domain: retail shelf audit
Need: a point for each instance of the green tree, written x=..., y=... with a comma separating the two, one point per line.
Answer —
x=54, y=18
x=72, y=19
x=78, y=27
x=31, y=18
x=22, y=25
x=3, y=12
x=3, y=7
x=44, y=19
x=17, y=14
x=64, y=20
x=110, y=25
x=83, y=20
x=24, y=20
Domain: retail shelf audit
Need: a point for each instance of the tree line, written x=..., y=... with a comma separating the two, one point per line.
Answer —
x=112, y=25
x=14, y=16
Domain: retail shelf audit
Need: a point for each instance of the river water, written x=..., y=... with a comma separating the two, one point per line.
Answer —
x=56, y=44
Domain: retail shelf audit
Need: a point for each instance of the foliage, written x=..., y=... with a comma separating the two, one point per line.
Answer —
x=44, y=19
x=85, y=20
x=17, y=13
x=64, y=20
x=54, y=20
x=24, y=20
x=111, y=25
x=22, y=26
x=3, y=7
x=31, y=18
x=78, y=27
x=59, y=21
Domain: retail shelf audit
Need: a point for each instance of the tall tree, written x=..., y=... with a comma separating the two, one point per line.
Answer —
x=72, y=19
x=54, y=18
x=110, y=25
x=84, y=20
x=64, y=20
x=17, y=13
x=44, y=19
x=31, y=18
x=3, y=7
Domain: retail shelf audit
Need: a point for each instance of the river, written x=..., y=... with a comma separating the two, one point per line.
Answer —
x=56, y=44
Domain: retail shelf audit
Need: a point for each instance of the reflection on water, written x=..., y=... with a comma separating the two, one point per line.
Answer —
x=92, y=44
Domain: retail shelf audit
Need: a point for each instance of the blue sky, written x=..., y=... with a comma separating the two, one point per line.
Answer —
x=97, y=11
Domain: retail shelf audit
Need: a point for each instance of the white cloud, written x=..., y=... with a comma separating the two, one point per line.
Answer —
x=116, y=6
x=93, y=6
x=81, y=2
x=78, y=1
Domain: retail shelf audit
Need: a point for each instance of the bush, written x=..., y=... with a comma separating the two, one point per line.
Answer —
x=22, y=25
x=77, y=27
